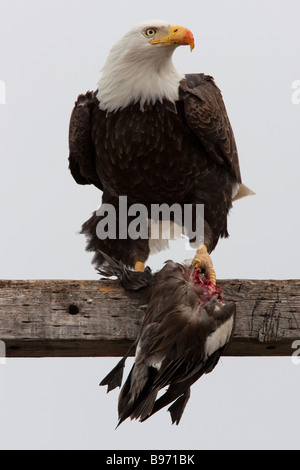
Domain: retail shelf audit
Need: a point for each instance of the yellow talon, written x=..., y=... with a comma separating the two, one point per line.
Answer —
x=139, y=266
x=202, y=260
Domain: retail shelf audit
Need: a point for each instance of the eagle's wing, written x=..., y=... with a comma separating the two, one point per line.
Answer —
x=207, y=117
x=82, y=153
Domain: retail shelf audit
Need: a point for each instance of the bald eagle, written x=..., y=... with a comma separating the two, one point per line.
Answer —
x=155, y=136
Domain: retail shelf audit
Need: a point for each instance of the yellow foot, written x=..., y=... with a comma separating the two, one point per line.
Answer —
x=203, y=261
x=139, y=266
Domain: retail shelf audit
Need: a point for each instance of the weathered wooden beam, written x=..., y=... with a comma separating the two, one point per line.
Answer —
x=55, y=318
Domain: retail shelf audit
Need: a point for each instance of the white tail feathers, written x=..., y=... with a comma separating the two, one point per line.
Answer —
x=242, y=191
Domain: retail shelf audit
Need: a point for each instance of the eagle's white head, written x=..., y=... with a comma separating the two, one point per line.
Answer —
x=139, y=67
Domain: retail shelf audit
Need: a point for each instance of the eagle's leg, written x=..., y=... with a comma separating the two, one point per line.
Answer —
x=139, y=266
x=203, y=261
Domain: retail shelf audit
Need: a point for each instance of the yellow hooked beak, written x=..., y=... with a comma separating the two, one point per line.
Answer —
x=177, y=35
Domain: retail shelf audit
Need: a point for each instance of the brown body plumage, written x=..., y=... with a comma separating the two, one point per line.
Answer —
x=182, y=152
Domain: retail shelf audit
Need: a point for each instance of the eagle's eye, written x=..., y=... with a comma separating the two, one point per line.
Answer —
x=150, y=32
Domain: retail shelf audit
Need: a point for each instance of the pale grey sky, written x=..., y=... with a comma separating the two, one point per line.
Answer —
x=52, y=50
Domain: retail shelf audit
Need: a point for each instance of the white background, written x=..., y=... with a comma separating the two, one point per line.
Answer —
x=50, y=51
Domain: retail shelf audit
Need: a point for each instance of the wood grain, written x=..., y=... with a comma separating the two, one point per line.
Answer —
x=68, y=318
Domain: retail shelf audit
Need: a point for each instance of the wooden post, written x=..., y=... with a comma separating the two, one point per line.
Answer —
x=61, y=318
